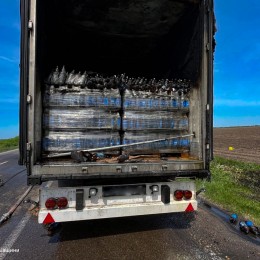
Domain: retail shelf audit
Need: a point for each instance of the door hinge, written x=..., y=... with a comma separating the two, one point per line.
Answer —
x=207, y=146
x=28, y=147
x=207, y=46
x=207, y=107
x=30, y=25
x=29, y=99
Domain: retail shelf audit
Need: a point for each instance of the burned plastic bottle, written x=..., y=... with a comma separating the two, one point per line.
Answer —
x=252, y=228
x=243, y=227
x=77, y=79
x=70, y=79
x=55, y=77
x=80, y=80
x=62, y=77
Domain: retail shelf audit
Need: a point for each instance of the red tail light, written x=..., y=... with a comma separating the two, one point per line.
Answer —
x=62, y=202
x=50, y=203
x=187, y=194
x=178, y=194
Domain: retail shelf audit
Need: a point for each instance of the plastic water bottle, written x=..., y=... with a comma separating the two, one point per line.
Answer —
x=115, y=121
x=183, y=123
x=184, y=100
x=184, y=143
x=174, y=103
x=156, y=103
x=125, y=123
x=141, y=103
x=162, y=103
x=186, y=103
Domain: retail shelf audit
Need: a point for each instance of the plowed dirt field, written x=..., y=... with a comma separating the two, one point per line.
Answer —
x=245, y=142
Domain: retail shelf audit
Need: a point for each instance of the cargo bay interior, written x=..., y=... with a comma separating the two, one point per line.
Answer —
x=142, y=63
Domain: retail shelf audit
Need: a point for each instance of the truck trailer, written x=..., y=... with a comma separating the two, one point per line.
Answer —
x=116, y=105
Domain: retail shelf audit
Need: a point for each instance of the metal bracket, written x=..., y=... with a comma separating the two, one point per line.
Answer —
x=85, y=169
x=164, y=167
x=134, y=168
x=30, y=25
x=29, y=99
x=118, y=169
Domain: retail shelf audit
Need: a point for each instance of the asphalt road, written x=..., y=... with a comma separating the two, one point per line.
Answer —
x=203, y=235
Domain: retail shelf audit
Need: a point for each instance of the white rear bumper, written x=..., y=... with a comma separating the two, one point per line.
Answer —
x=101, y=212
x=104, y=205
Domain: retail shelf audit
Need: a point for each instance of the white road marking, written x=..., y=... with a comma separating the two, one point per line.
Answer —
x=9, y=151
x=3, y=163
x=14, y=236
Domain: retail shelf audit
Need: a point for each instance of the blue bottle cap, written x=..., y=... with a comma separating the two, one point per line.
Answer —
x=234, y=216
x=249, y=223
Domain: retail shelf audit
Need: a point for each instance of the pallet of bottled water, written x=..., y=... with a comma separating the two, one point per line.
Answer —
x=83, y=111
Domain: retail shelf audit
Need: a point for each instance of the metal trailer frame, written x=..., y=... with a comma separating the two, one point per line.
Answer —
x=201, y=112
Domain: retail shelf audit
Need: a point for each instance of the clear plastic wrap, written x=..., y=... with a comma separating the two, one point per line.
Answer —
x=82, y=97
x=70, y=78
x=71, y=141
x=80, y=118
x=183, y=123
x=136, y=120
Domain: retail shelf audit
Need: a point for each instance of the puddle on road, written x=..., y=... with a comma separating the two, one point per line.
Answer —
x=225, y=217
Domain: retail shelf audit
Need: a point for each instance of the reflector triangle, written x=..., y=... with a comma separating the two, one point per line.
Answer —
x=49, y=219
x=189, y=208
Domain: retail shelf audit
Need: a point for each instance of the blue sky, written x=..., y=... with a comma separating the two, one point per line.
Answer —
x=237, y=63
x=236, y=73
x=9, y=67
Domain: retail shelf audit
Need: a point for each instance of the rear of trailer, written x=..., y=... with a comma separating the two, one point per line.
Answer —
x=116, y=105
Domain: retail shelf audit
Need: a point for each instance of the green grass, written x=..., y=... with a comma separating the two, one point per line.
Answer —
x=235, y=187
x=9, y=144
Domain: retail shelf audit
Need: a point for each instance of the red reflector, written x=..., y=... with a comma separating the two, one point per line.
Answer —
x=48, y=219
x=50, y=203
x=178, y=194
x=187, y=194
x=189, y=208
x=62, y=202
